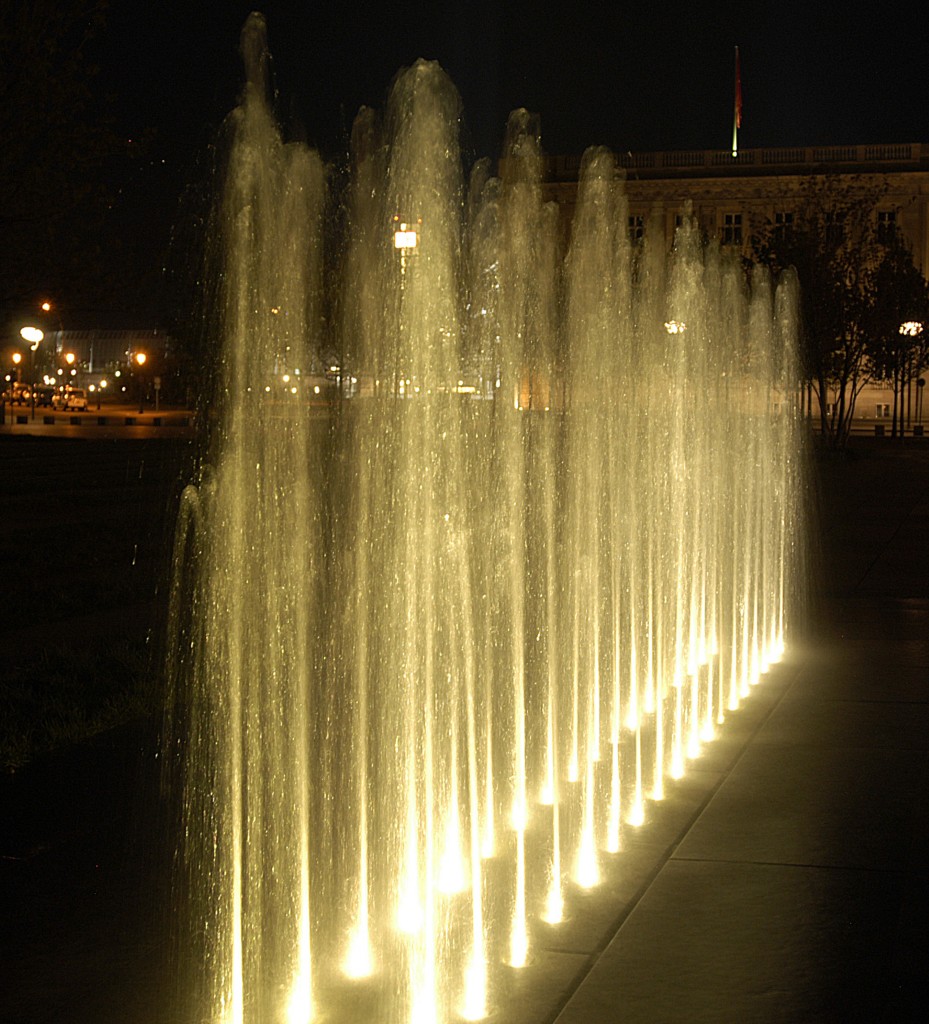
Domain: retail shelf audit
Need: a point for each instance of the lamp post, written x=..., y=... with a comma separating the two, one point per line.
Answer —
x=34, y=336
x=406, y=240
x=11, y=391
x=140, y=358
x=910, y=329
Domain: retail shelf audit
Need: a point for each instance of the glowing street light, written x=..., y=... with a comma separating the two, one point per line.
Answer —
x=406, y=236
x=33, y=336
x=140, y=358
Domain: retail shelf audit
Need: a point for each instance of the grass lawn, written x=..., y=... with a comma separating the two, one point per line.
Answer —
x=85, y=539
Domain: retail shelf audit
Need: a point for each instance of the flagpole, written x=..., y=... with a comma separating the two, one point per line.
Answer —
x=737, y=106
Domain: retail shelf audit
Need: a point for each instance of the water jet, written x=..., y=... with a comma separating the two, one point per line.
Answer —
x=441, y=640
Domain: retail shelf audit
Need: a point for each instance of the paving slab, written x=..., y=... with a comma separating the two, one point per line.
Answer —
x=725, y=943
x=800, y=892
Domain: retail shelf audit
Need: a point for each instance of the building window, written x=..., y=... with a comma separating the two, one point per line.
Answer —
x=732, y=229
x=886, y=225
x=882, y=411
x=636, y=227
x=835, y=227
x=783, y=224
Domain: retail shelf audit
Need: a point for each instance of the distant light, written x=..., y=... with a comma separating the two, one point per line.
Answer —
x=140, y=358
x=33, y=335
x=286, y=378
x=675, y=326
x=315, y=389
x=406, y=237
x=911, y=328
x=46, y=307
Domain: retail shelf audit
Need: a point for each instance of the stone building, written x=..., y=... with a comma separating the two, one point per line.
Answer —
x=734, y=197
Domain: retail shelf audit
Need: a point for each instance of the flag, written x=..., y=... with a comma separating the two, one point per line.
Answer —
x=737, y=112
x=738, y=91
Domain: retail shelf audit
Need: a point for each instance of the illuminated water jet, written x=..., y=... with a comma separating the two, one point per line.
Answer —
x=441, y=638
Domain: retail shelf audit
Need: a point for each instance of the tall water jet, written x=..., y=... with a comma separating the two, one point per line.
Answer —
x=441, y=637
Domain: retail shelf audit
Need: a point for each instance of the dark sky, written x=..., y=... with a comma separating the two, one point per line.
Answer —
x=649, y=75
x=641, y=76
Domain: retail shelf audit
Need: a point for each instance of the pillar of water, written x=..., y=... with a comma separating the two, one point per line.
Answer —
x=441, y=639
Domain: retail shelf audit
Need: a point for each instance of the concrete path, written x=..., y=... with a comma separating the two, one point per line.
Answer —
x=799, y=889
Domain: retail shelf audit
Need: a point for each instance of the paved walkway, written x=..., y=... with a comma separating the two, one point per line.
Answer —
x=798, y=889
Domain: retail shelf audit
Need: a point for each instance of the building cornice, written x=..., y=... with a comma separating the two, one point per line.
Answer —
x=797, y=160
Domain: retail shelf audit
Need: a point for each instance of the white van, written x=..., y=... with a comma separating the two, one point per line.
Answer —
x=75, y=400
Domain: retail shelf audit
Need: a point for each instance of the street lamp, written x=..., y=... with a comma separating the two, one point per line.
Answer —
x=34, y=336
x=910, y=329
x=140, y=358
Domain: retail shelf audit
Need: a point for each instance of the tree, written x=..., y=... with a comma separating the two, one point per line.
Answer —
x=899, y=348
x=849, y=273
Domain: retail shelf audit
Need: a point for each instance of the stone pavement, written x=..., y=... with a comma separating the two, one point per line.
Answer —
x=798, y=890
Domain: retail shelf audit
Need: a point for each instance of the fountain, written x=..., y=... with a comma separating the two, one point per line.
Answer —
x=442, y=639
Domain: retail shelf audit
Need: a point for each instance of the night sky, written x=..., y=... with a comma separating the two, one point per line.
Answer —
x=635, y=77
x=632, y=77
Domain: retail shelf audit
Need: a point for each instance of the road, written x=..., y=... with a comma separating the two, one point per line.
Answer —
x=110, y=420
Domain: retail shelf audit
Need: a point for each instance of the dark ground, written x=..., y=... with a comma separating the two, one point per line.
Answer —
x=84, y=896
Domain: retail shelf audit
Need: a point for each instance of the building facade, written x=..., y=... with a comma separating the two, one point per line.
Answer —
x=735, y=198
